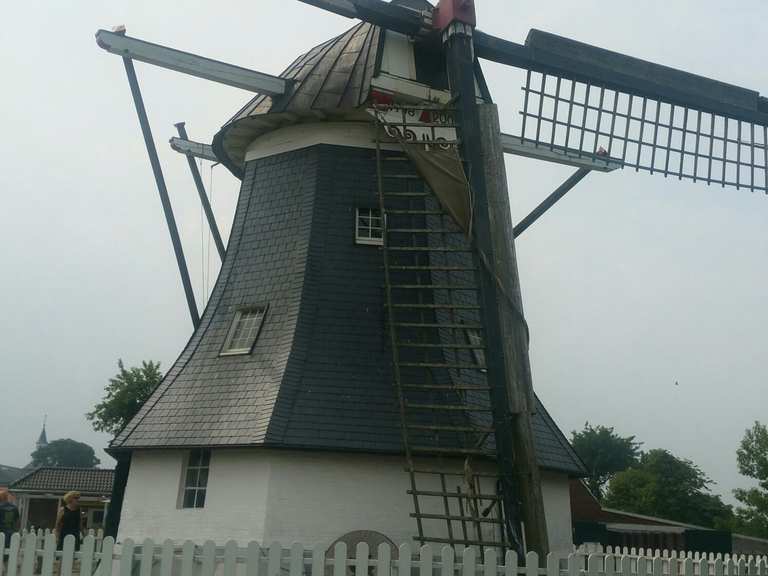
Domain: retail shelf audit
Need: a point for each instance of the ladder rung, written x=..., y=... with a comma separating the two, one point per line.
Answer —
x=433, y=287
x=456, y=518
x=426, y=249
x=437, y=325
x=447, y=388
x=435, y=268
x=441, y=346
x=418, y=212
x=438, y=306
x=424, y=231
x=438, y=427
x=483, y=543
x=406, y=194
x=446, y=407
x=452, y=494
x=446, y=365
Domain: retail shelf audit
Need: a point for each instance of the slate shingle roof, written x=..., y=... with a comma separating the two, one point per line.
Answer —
x=319, y=376
x=89, y=481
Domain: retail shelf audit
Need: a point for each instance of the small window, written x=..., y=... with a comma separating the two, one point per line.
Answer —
x=369, y=229
x=196, y=479
x=478, y=354
x=244, y=330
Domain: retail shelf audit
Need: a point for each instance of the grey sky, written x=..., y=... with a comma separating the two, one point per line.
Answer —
x=631, y=283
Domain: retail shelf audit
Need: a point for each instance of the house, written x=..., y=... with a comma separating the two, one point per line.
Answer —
x=8, y=474
x=596, y=524
x=38, y=493
x=279, y=421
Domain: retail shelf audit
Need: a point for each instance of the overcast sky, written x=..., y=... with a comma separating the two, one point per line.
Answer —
x=630, y=284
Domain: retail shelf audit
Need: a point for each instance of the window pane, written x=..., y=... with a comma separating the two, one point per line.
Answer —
x=206, y=459
x=189, y=498
x=194, y=458
x=202, y=479
x=244, y=330
x=191, y=479
x=200, y=502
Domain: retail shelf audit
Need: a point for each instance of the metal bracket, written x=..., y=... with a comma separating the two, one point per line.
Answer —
x=194, y=149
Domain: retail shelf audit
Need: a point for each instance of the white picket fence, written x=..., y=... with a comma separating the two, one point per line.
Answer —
x=29, y=555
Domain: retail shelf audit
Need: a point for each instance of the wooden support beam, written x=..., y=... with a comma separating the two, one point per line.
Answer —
x=514, y=333
x=192, y=64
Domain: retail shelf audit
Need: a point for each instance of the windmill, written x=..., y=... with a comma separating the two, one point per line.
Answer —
x=454, y=320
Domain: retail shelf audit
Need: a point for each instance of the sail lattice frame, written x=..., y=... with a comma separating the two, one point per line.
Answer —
x=659, y=137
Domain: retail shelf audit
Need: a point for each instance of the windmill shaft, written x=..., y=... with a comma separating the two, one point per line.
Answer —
x=162, y=190
x=517, y=468
x=203, y=196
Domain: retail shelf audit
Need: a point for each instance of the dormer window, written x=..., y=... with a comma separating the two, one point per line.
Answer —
x=244, y=330
x=370, y=227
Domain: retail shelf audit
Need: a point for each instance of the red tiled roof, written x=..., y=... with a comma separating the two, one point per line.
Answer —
x=91, y=481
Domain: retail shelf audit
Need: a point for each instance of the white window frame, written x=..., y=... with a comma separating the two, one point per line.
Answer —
x=226, y=349
x=198, y=487
x=368, y=238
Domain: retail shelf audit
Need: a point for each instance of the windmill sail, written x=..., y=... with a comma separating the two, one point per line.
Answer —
x=607, y=107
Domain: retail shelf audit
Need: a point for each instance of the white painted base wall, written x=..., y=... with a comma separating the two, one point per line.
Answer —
x=291, y=496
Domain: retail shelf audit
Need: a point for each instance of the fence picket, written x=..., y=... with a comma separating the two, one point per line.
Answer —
x=208, y=560
x=448, y=565
x=704, y=568
x=593, y=565
x=230, y=558
x=384, y=560
x=531, y=564
x=166, y=558
x=404, y=560
x=274, y=559
x=253, y=555
x=187, y=557
x=573, y=565
x=13, y=555
x=553, y=565
x=339, y=559
x=106, y=554
x=49, y=553
x=510, y=564
x=87, y=549
x=126, y=557
x=296, y=566
x=68, y=556
x=658, y=565
x=425, y=561
x=362, y=551
x=147, y=557
x=468, y=567
x=742, y=566
x=28, y=555
x=491, y=562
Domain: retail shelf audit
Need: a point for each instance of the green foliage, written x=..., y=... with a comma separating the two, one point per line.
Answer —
x=125, y=394
x=65, y=452
x=604, y=453
x=668, y=487
x=752, y=457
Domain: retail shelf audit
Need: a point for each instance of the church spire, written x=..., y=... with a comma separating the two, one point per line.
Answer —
x=42, y=440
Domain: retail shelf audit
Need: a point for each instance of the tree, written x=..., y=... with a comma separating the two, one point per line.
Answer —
x=669, y=487
x=65, y=452
x=604, y=453
x=125, y=394
x=752, y=457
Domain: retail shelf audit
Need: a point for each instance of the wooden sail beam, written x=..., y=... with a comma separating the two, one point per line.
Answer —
x=134, y=49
